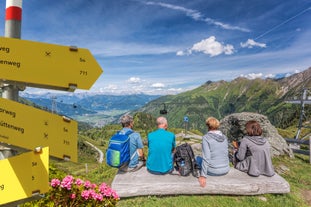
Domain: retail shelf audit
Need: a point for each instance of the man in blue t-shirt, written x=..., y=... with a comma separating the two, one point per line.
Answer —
x=136, y=145
x=161, y=145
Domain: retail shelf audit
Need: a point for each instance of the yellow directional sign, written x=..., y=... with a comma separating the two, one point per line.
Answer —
x=24, y=175
x=28, y=127
x=45, y=65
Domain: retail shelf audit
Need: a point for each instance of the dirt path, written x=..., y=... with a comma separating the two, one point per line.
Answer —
x=307, y=196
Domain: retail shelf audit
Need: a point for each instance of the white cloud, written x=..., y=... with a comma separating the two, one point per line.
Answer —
x=175, y=90
x=189, y=12
x=134, y=80
x=197, y=16
x=180, y=53
x=158, y=85
x=122, y=48
x=209, y=47
x=270, y=76
x=111, y=87
x=252, y=43
x=252, y=76
x=225, y=26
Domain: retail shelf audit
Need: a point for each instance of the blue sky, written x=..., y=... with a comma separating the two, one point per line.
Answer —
x=170, y=46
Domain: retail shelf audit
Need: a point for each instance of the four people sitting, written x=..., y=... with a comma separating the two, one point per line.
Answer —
x=251, y=157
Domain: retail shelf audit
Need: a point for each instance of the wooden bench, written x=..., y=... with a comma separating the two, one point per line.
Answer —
x=142, y=183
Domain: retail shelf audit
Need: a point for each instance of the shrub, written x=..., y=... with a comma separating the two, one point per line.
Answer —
x=71, y=191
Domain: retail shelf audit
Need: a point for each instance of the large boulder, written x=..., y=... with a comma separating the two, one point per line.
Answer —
x=233, y=126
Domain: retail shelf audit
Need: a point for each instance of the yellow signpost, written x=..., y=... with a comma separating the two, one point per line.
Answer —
x=28, y=127
x=46, y=65
x=24, y=175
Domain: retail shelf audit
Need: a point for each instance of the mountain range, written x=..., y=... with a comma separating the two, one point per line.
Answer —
x=265, y=96
x=96, y=109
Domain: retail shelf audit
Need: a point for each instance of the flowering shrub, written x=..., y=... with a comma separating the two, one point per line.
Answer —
x=76, y=192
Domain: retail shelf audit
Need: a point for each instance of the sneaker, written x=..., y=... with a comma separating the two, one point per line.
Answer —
x=174, y=172
x=138, y=166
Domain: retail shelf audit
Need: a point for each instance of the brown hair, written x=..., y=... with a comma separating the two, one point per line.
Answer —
x=212, y=123
x=253, y=128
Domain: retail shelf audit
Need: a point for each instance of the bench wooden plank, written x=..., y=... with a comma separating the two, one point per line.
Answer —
x=142, y=183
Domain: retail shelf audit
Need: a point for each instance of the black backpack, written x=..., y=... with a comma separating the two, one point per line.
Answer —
x=185, y=160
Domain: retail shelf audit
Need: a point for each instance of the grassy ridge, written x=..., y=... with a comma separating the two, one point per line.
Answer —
x=222, y=98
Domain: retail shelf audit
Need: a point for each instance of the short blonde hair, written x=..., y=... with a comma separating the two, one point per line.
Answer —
x=212, y=123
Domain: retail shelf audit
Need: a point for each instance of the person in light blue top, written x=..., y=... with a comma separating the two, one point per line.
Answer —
x=136, y=145
x=161, y=146
x=215, y=159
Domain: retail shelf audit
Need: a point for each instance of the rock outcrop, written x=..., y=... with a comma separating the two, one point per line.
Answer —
x=233, y=126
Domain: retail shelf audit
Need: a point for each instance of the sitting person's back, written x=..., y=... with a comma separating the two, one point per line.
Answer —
x=161, y=144
x=135, y=145
x=215, y=159
x=253, y=155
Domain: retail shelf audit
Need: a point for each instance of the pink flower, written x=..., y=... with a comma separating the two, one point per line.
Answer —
x=73, y=196
x=55, y=182
x=87, y=184
x=82, y=193
x=103, y=187
x=66, y=182
x=85, y=194
x=99, y=197
x=92, y=193
x=79, y=182
x=115, y=195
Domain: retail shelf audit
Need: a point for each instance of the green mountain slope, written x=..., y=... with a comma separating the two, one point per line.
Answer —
x=221, y=98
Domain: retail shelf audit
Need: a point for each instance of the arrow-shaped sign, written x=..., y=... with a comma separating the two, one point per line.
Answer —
x=29, y=128
x=46, y=65
x=24, y=175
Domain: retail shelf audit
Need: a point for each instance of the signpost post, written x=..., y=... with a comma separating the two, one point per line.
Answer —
x=186, y=121
x=13, y=21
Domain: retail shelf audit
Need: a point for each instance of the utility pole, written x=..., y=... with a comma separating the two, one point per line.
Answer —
x=54, y=105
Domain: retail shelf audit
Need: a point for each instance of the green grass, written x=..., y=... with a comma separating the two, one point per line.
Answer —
x=298, y=176
x=296, y=171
